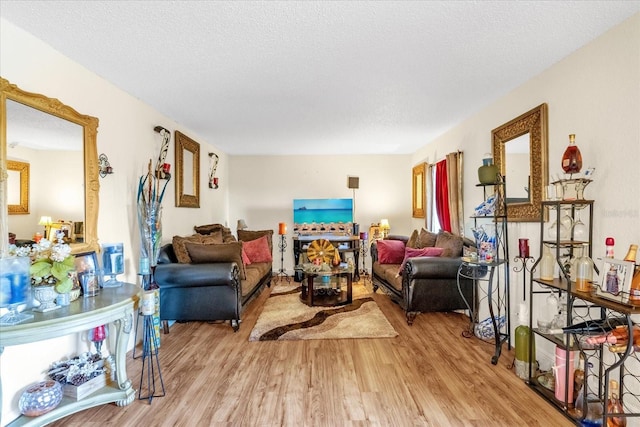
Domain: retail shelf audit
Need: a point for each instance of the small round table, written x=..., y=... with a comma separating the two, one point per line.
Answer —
x=324, y=288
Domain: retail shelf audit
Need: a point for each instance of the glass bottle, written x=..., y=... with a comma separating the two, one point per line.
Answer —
x=572, y=158
x=631, y=254
x=584, y=270
x=634, y=292
x=546, y=264
x=614, y=406
x=609, y=242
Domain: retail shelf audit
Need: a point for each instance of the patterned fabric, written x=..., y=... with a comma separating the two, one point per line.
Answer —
x=180, y=249
x=426, y=239
x=451, y=244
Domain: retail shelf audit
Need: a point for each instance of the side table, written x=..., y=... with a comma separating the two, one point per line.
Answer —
x=486, y=286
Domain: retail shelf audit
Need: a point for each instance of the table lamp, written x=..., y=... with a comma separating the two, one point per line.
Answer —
x=384, y=226
x=46, y=221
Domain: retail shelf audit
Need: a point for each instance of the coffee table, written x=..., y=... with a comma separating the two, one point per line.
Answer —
x=325, y=288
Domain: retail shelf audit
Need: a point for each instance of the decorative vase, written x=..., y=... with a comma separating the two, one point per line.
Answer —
x=40, y=398
x=488, y=172
x=46, y=296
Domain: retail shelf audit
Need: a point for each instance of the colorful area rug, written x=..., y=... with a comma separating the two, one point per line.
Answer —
x=285, y=317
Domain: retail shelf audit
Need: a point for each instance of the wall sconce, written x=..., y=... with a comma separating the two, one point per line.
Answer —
x=104, y=168
x=213, y=165
x=163, y=169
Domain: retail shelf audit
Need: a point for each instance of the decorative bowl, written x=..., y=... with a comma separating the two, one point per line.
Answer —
x=40, y=398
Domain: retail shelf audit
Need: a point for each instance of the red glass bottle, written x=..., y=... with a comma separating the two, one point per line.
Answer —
x=572, y=158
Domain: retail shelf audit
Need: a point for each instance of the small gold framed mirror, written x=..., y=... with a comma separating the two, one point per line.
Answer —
x=418, y=196
x=188, y=172
x=18, y=187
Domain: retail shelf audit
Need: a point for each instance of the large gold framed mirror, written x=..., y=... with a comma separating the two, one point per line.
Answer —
x=520, y=150
x=45, y=118
x=188, y=172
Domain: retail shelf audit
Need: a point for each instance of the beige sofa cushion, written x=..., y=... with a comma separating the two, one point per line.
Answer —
x=180, y=249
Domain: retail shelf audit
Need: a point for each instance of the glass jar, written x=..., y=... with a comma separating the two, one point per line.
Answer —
x=547, y=263
x=584, y=270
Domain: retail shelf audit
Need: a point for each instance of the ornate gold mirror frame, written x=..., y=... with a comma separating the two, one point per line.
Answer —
x=91, y=185
x=187, y=172
x=418, y=196
x=533, y=122
x=22, y=168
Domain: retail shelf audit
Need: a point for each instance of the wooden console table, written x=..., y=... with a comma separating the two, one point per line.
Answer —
x=342, y=244
x=111, y=305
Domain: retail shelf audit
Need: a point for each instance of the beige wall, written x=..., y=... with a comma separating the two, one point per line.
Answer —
x=263, y=189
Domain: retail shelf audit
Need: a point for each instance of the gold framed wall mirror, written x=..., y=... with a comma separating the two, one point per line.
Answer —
x=187, y=171
x=520, y=150
x=17, y=187
x=418, y=196
x=41, y=118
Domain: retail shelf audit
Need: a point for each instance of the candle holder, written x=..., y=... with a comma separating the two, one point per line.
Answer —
x=525, y=269
x=282, y=246
x=364, y=273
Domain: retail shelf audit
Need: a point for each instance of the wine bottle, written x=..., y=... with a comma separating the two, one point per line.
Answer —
x=634, y=292
x=591, y=327
x=614, y=406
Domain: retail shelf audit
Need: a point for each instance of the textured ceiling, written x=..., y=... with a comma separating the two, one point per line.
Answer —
x=317, y=77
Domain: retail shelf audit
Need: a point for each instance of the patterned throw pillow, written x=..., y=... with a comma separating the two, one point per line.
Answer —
x=390, y=251
x=201, y=253
x=451, y=244
x=426, y=239
x=180, y=249
x=258, y=250
x=413, y=239
x=412, y=253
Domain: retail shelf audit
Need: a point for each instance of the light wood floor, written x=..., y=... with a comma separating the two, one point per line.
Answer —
x=428, y=376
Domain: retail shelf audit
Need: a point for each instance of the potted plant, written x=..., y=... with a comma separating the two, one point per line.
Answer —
x=51, y=265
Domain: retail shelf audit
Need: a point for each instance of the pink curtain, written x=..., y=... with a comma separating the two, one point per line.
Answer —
x=442, y=196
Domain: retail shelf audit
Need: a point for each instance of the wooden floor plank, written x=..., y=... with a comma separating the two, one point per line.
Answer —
x=430, y=375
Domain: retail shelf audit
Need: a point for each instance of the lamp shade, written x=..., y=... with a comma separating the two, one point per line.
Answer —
x=242, y=224
x=45, y=220
x=384, y=223
x=282, y=228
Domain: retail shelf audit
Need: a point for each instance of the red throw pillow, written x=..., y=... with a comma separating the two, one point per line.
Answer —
x=245, y=257
x=258, y=250
x=390, y=251
x=414, y=252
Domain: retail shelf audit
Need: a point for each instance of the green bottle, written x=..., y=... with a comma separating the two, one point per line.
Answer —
x=524, y=357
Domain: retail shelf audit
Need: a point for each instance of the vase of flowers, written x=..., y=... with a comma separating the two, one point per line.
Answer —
x=51, y=270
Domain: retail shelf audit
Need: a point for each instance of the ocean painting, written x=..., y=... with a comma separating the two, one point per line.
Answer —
x=309, y=211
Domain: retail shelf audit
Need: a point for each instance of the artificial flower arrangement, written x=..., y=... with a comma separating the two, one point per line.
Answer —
x=51, y=263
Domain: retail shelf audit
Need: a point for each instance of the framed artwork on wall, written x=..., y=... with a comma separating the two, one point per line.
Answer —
x=418, y=193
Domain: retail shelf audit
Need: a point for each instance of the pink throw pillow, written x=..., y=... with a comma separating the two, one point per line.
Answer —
x=245, y=257
x=414, y=252
x=390, y=251
x=258, y=250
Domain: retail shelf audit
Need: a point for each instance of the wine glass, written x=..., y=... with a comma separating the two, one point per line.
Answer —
x=15, y=286
x=580, y=230
x=112, y=263
x=566, y=224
